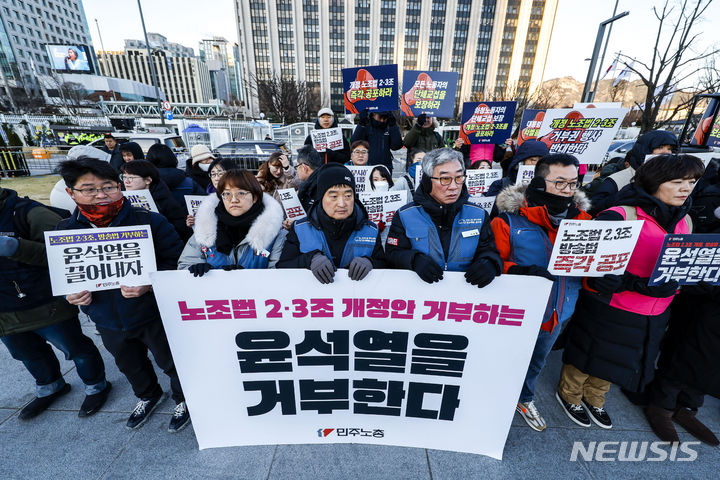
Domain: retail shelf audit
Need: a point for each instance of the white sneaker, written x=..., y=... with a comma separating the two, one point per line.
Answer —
x=531, y=416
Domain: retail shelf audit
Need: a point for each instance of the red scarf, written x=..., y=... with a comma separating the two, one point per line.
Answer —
x=101, y=215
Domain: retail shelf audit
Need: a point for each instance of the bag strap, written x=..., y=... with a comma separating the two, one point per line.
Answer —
x=630, y=212
x=689, y=221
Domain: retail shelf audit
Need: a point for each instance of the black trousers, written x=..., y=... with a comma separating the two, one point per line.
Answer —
x=130, y=351
x=670, y=394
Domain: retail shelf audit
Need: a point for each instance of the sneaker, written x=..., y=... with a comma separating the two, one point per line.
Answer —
x=598, y=415
x=142, y=411
x=93, y=403
x=40, y=404
x=533, y=418
x=180, y=418
x=575, y=412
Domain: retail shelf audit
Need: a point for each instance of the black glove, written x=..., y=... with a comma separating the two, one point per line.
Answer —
x=426, y=268
x=364, y=117
x=359, y=268
x=199, y=269
x=421, y=119
x=234, y=266
x=703, y=289
x=481, y=273
x=532, y=270
x=641, y=286
x=391, y=119
x=323, y=269
x=607, y=284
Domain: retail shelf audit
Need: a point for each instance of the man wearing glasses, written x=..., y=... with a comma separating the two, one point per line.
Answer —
x=441, y=230
x=127, y=318
x=525, y=232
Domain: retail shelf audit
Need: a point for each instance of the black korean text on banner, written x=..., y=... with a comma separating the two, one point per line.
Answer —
x=141, y=199
x=291, y=203
x=479, y=181
x=387, y=360
x=360, y=172
x=688, y=259
x=99, y=259
x=327, y=139
x=591, y=248
x=381, y=206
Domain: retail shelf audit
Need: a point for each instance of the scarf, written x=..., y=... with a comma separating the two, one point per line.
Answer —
x=232, y=230
x=101, y=215
x=557, y=206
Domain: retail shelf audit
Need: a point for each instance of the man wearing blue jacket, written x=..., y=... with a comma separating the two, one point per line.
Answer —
x=127, y=318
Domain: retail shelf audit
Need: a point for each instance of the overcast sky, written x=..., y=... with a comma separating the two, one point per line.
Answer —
x=189, y=21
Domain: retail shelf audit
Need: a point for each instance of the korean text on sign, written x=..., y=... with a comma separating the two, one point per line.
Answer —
x=688, y=259
x=291, y=203
x=327, y=139
x=589, y=248
x=381, y=206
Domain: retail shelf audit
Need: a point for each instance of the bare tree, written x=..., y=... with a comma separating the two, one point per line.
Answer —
x=288, y=100
x=674, y=57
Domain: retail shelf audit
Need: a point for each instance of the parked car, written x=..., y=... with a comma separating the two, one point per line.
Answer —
x=175, y=142
x=249, y=154
x=618, y=150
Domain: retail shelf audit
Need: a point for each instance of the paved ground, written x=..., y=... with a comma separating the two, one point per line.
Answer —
x=59, y=445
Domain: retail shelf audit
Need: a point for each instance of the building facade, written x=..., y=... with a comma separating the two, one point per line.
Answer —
x=26, y=26
x=182, y=79
x=160, y=41
x=494, y=45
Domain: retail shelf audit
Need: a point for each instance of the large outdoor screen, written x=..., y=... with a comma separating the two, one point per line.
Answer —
x=70, y=58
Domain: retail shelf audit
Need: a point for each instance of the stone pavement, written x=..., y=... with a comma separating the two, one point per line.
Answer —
x=59, y=445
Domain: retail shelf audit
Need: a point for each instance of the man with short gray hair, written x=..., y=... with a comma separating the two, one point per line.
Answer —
x=441, y=230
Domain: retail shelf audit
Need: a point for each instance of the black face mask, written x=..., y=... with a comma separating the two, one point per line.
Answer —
x=537, y=196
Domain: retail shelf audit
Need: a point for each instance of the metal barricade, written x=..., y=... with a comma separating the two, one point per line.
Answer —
x=12, y=162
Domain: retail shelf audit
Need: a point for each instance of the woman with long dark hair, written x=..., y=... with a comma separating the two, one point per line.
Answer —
x=277, y=174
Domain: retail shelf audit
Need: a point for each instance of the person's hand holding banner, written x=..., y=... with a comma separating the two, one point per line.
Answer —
x=83, y=298
x=134, y=292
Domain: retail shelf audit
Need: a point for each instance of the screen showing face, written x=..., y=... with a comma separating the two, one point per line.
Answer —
x=70, y=58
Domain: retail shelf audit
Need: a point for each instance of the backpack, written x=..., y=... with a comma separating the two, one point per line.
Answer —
x=631, y=214
x=23, y=207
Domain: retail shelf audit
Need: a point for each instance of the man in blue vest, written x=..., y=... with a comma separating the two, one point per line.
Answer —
x=31, y=318
x=525, y=232
x=335, y=234
x=441, y=230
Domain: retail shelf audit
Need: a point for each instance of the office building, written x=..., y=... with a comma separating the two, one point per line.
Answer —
x=158, y=41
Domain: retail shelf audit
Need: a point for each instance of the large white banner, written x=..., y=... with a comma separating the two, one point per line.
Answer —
x=583, y=132
x=381, y=206
x=327, y=139
x=592, y=248
x=291, y=203
x=274, y=357
x=99, y=258
x=141, y=199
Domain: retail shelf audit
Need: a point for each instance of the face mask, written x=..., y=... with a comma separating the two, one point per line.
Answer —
x=204, y=166
x=381, y=186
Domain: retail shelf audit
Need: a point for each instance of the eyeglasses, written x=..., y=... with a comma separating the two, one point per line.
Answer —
x=129, y=178
x=561, y=184
x=360, y=152
x=92, y=192
x=217, y=174
x=460, y=179
x=228, y=196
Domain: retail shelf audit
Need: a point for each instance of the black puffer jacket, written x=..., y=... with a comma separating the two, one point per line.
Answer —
x=382, y=138
x=170, y=209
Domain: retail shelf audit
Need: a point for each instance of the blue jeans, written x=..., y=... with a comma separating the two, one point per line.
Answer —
x=543, y=346
x=33, y=350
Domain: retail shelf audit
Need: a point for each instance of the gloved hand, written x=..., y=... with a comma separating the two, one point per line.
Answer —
x=532, y=270
x=359, y=268
x=199, y=269
x=234, y=266
x=421, y=119
x=364, y=117
x=607, y=284
x=426, y=268
x=8, y=246
x=391, y=119
x=640, y=285
x=703, y=289
x=481, y=273
x=323, y=269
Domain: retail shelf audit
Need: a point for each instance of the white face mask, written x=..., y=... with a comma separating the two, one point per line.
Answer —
x=381, y=186
x=204, y=166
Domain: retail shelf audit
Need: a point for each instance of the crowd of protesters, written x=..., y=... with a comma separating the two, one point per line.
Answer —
x=613, y=329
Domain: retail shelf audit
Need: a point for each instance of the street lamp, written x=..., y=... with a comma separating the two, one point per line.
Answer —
x=587, y=94
x=152, y=67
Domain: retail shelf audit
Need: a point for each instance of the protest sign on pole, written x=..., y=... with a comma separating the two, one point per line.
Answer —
x=525, y=174
x=530, y=125
x=374, y=88
x=99, y=258
x=583, y=132
x=431, y=93
x=485, y=202
x=591, y=248
x=478, y=181
x=381, y=206
x=192, y=202
x=291, y=203
x=387, y=360
x=688, y=259
x=327, y=139
x=141, y=199
x=360, y=173
x=487, y=122
x=577, y=105
x=714, y=137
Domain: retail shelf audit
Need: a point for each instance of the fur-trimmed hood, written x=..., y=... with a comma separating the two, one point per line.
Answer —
x=262, y=231
x=513, y=197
